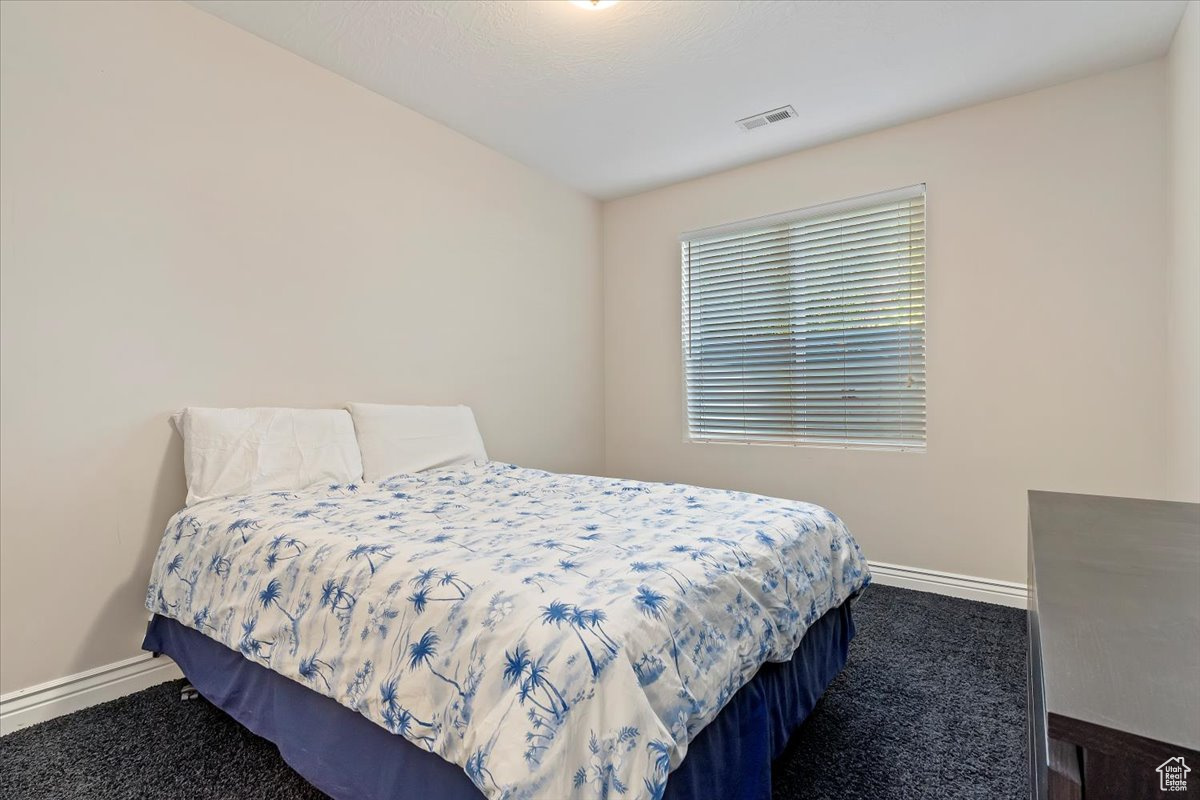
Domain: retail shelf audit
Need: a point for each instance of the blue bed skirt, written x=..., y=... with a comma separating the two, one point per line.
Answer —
x=349, y=757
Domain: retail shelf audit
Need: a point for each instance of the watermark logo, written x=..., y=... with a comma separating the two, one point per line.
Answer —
x=1172, y=775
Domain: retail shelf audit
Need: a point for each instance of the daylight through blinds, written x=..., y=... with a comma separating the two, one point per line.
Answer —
x=809, y=327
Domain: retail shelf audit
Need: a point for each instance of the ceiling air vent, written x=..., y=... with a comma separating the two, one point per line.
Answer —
x=766, y=118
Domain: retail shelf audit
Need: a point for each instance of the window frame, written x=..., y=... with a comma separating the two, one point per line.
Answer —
x=766, y=221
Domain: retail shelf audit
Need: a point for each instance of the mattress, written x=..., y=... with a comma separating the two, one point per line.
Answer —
x=552, y=635
x=349, y=757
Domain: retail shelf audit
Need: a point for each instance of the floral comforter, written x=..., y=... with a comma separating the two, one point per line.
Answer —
x=555, y=635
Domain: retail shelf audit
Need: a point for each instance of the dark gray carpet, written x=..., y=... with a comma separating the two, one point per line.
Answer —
x=931, y=705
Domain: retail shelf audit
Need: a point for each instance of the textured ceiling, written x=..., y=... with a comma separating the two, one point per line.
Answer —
x=646, y=93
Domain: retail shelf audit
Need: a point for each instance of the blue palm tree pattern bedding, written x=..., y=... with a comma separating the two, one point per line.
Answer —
x=555, y=635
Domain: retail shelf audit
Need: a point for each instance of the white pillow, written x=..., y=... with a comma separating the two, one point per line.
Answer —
x=403, y=439
x=238, y=451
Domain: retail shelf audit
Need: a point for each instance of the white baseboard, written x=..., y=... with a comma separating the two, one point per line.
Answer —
x=52, y=699
x=987, y=590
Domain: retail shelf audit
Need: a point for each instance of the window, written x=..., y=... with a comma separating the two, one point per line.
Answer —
x=808, y=328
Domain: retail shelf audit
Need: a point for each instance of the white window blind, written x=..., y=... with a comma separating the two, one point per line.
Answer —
x=809, y=327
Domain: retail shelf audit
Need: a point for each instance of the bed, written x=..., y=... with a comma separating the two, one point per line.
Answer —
x=493, y=631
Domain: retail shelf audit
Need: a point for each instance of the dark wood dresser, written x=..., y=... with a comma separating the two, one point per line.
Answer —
x=1114, y=648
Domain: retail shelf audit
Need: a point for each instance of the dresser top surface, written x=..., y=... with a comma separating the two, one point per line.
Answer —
x=1115, y=595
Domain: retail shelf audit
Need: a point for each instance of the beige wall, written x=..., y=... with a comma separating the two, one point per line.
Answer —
x=251, y=229
x=194, y=216
x=1184, y=288
x=1046, y=341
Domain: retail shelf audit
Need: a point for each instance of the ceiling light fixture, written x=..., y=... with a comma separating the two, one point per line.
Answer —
x=594, y=5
